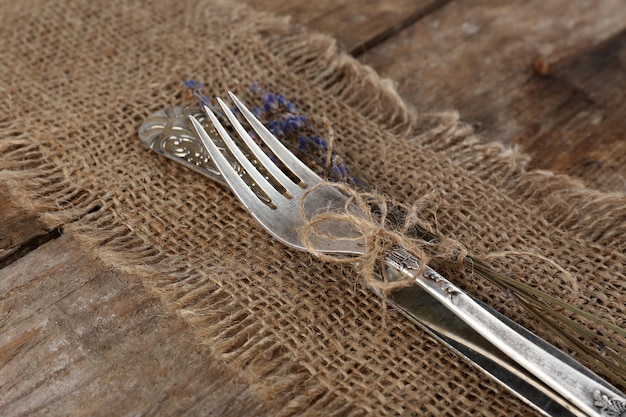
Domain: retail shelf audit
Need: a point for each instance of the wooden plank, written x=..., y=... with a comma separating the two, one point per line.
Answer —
x=477, y=57
x=20, y=231
x=79, y=339
x=356, y=24
x=588, y=103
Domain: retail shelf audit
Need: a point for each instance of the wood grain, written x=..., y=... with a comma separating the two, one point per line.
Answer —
x=356, y=24
x=486, y=60
x=20, y=231
x=79, y=339
x=504, y=66
x=588, y=103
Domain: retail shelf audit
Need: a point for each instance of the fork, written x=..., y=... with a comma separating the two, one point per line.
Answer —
x=574, y=389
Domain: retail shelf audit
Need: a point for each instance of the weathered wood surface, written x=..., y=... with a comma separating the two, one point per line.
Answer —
x=356, y=24
x=477, y=57
x=79, y=339
x=548, y=75
x=76, y=338
x=19, y=231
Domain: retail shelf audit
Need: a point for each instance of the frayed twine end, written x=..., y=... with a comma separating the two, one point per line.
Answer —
x=381, y=224
x=376, y=234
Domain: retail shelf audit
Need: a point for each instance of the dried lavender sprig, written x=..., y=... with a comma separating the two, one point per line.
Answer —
x=284, y=120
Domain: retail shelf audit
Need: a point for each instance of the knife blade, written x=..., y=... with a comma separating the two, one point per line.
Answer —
x=168, y=133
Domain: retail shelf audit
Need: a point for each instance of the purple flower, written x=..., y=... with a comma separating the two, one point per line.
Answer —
x=281, y=100
x=193, y=85
x=319, y=142
x=204, y=99
x=303, y=142
x=284, y=120
x=291, y=108
x=275, y=126
x=292, y=123
x=270, y=102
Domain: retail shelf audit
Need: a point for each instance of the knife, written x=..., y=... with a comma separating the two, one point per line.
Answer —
x=168, y=133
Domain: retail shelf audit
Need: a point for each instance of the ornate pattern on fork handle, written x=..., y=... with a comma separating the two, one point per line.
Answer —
x=400, y=258
x=610, y=407
x=168, y=133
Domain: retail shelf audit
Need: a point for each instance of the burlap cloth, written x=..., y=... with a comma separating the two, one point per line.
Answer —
x=77, y=80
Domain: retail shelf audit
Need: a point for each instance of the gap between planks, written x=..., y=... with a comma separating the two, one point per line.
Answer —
x=77, y=338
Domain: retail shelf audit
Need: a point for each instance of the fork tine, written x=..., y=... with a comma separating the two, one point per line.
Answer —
x=258, y=153
x=245, y=194
x=258, y=178
x=289, y=159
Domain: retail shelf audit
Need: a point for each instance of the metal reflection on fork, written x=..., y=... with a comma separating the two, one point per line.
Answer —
x=544, y=377
x=167, y=132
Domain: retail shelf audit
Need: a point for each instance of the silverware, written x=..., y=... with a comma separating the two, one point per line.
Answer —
x=541, y=375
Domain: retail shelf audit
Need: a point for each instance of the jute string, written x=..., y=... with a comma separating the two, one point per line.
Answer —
x=367, y=214
x=78, y=79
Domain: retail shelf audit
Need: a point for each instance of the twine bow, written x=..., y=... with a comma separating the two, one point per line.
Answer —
x=381, y=224
x=380, y=231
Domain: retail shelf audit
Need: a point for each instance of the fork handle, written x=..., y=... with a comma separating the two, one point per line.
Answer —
x=578, y=386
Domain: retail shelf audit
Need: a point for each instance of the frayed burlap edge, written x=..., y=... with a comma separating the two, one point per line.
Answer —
x=552, y=194
x=376, y=98
x=38, y=183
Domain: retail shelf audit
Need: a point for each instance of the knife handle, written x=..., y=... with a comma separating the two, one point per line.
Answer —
x=167, y=132
x=585, y=393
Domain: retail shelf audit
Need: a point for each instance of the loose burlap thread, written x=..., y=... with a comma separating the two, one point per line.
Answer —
x=364, y=220
x=78, y=78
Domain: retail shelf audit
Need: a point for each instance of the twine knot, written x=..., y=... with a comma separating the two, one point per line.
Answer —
x=381, y=225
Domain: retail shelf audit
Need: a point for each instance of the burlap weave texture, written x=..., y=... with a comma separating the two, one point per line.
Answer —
x=78, y=78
